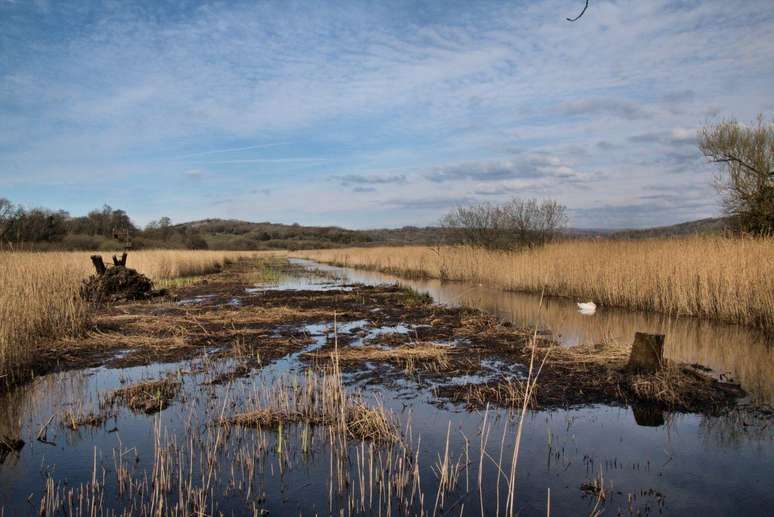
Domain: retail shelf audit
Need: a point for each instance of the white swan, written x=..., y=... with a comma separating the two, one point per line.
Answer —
x=587, y=307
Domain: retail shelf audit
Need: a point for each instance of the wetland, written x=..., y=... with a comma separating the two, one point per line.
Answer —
x=285, y=386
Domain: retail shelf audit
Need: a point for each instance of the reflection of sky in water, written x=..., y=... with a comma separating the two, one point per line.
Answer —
x=742, y=354
x=690, y=460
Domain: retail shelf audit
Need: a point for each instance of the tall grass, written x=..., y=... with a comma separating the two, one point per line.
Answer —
x=728, y=279
x=39, y=298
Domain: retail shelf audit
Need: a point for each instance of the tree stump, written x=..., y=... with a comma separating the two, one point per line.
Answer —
x=647, y=353
x=121, y=261
x=99, y=265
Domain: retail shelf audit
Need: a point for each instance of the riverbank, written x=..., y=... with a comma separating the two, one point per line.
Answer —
x=718, y=278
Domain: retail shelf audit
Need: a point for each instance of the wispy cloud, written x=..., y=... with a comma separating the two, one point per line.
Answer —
x=369, y=179
x=603, y=106
x=229, y=150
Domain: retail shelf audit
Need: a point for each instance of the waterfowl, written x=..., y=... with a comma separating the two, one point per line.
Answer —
x=587, y=307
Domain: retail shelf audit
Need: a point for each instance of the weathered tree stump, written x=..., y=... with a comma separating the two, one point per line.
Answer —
x=121, y=261
x=99, y=265
x=647, y=353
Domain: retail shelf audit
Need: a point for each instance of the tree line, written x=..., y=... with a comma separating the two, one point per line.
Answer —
x=41, y=228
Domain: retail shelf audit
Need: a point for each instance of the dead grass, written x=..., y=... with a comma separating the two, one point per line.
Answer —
x=318, y=399
x=74, y=419
x=507, y=393
x=419, y=352
x=729, y=279
x=576, y=376
x=678, y=388
x=39, y=300
x=148, y=397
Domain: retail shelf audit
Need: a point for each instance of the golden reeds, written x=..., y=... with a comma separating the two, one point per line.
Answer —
x=39, y=298
x=729, y=279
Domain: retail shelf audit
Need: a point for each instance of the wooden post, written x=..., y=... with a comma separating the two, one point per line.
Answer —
x=99, y=265
x=647, y=353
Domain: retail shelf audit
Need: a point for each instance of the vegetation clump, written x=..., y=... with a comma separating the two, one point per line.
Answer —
x=117, y=283
x=318, y=399
x=146, y=397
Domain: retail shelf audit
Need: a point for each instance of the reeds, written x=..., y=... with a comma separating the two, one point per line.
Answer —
x=318, y=400
x=723, y=278
x=39, y=298
x=148, y=396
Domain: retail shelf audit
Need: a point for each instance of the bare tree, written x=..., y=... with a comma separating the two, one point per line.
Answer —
x=746, y=178
x=512, y=224
x=6, y=216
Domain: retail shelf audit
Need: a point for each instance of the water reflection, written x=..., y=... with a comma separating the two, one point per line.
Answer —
x=735, y=352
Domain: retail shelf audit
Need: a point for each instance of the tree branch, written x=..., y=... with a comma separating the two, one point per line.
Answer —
x=581, y=13
x=729, y=158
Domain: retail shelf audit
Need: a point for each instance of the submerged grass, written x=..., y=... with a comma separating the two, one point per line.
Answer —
x=729, y=279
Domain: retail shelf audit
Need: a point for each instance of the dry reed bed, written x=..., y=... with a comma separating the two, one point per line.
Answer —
x=39, y=297
x=729, y=279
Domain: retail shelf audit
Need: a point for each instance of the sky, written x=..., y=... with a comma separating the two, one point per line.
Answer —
x=372, y=114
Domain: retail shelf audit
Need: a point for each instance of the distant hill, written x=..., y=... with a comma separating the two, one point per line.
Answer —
x=710, y=225
x=236, y=234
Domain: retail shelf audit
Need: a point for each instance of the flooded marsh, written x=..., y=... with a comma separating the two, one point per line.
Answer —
x=317, y=390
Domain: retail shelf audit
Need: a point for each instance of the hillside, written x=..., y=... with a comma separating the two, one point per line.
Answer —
x=710, y=225
x=244, y=235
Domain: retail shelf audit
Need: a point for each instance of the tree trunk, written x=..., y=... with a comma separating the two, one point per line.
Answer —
x=99, y=265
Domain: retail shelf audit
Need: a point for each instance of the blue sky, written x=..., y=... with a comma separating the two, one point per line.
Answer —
x=370, y=114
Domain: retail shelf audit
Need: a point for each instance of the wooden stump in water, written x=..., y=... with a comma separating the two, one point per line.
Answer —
x=647, y=353
x=99, y=265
